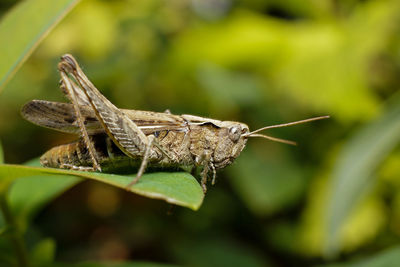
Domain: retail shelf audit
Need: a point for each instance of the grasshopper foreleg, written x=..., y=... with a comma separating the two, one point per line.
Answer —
x=205, y=160
x=204, y=175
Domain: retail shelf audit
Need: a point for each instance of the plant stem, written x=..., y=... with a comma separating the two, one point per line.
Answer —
x=15, y=234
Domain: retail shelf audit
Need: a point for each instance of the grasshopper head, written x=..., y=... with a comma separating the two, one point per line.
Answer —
x=232, y=140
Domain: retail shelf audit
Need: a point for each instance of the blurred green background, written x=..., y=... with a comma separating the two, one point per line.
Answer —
x=333, y=198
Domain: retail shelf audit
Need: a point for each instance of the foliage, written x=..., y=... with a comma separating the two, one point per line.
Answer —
x=18, y=40
x=332, y=201
x=176, y=188
x=354, y=171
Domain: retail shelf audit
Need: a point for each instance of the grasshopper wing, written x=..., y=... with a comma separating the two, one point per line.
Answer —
x=60, y=116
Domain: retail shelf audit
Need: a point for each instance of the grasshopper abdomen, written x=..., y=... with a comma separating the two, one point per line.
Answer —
x=76, y=156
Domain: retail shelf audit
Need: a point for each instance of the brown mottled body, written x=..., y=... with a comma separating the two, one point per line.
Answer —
x=187, y=149
x=114, y=139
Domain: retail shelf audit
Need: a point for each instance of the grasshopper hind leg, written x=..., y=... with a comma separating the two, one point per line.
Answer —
x=68, y=87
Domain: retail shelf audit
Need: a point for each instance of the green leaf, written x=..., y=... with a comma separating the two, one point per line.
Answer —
x=23, y=28
x=353, y=172
x=27, y=196
x=178, y=188
x=389, y=257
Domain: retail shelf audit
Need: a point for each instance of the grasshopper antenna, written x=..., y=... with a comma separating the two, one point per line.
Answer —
x=254, y=133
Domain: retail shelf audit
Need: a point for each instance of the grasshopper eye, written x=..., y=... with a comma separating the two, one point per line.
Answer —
x=234, y=133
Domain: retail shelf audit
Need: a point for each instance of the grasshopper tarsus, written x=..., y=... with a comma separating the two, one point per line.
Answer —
x=204, y=187
x=204, y=178
x=132, y=183
x=214, y=177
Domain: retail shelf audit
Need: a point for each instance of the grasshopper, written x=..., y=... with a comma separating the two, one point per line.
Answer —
x=114, y=140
